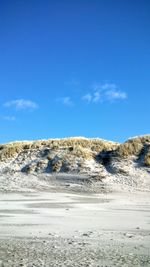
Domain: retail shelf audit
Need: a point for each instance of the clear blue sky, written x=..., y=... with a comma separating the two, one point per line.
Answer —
x=74, y=68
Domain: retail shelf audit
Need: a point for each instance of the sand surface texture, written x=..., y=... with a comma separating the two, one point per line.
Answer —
x=74, y=229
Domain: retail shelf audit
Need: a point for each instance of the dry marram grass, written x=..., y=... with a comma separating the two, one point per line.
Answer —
x=132, y=146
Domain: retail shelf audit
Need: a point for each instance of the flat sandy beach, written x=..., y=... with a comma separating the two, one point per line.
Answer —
x=74, y=229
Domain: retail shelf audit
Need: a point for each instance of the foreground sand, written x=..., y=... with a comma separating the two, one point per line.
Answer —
x=74, y=229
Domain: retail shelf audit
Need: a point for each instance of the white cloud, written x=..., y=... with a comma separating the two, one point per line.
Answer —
x=87, y=97
x=96, y=96
x=21, y=104
x=104, y=92
x=8, y=118
x=114, y=94
x=66, y=101
x=108, y=86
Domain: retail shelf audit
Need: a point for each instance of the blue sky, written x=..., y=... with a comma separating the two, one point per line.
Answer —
x=74, y=68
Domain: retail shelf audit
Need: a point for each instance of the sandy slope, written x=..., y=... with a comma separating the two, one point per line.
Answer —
x=33, y=165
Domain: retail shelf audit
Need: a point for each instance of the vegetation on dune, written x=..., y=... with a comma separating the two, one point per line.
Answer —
x=147, y=157
x=132, y=147
x=147, y=160
x=65, y=154
x=76, y=146
x=9, y=151
x=79, y=151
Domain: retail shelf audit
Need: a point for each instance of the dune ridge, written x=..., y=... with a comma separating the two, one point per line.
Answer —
x=99, y=160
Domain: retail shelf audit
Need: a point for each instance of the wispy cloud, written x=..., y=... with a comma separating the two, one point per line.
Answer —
x=108, y=86
x=8, y=118
x=20, y=104
x=114, y=94
x=104, y=92
x=67, y=101
x=87, y=97
x=96, y=96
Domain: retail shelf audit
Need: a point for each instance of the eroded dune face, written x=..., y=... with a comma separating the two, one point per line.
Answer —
x=127, y=163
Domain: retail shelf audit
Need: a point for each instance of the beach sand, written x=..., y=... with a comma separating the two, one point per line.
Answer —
x=74, y=229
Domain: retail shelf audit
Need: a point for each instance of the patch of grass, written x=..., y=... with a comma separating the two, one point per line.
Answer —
x=132, y=146
x=81, y=152
x=147, y=157
x=147, y=160
x=9, y=151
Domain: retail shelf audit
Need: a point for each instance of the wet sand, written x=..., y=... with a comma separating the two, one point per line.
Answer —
x=74, y=229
